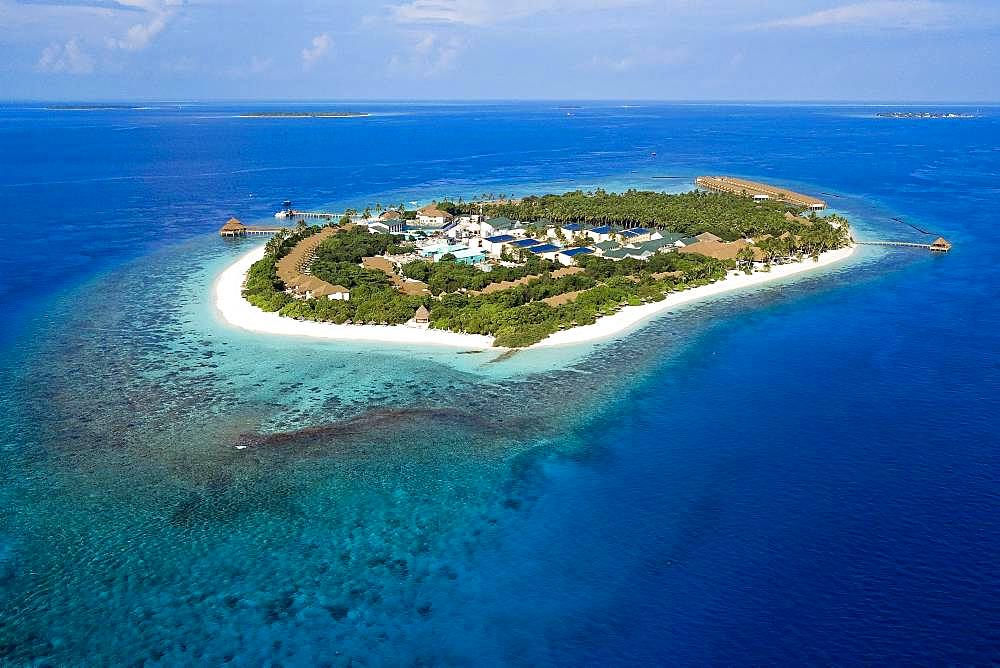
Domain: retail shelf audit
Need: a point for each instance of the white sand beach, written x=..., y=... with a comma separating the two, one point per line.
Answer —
x=633, y=315
x=238, y=312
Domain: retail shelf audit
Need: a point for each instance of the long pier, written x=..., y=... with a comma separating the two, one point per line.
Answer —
x=327, y=215
x=940, y=245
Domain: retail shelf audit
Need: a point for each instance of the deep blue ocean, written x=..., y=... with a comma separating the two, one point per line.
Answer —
x=803, y=474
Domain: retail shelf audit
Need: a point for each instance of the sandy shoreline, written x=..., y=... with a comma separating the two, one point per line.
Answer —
x=633, y=315
x=240, y=313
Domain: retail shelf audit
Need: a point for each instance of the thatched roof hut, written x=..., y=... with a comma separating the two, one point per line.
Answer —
x=432, y=211
x=941, y=245
x=422, y=316
x=716, y=249
x=233, y=228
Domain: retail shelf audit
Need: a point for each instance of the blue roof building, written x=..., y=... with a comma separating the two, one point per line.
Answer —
x=603, y=229
x=500, y=239
x=573, y=227
x=543, y=248
x=525, y=243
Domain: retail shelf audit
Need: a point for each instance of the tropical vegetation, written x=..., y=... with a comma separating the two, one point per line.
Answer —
x=540, y=302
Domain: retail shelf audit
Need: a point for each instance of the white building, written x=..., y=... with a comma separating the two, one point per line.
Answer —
x=432, y=216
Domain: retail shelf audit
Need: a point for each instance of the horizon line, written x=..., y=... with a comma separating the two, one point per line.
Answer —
x=500, y=100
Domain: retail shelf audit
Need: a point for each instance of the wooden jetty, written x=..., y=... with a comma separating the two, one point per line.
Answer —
x=758, y=191
x=939, y=245
x=291, y=213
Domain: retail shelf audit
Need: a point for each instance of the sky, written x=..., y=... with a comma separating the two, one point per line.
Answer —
x=876, y=50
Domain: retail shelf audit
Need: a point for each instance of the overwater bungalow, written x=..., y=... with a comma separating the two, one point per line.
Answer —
x=941, y=245
x=233, y=228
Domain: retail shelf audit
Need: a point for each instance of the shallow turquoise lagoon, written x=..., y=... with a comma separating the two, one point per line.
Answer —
x=803, y=473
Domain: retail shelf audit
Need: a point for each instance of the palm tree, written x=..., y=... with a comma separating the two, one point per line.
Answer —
x=744, y=259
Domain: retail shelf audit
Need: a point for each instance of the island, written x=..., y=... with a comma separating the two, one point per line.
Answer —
x=304, y=114
x=92, y=107
x=540, y=270
x=921, y=114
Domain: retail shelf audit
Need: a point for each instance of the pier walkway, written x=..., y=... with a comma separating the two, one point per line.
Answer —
x=325, y=215
x=940, y=245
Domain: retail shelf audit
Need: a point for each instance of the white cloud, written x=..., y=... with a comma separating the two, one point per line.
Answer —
x=485, y=12
x=881, y=14
x=261, y=65
x=428, y=56
x=139, y=35
x=66, y=58
x=319, y=46
x=650, y=57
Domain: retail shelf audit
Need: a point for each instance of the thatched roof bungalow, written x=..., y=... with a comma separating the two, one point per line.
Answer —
x=233, y=228
x=941, y=245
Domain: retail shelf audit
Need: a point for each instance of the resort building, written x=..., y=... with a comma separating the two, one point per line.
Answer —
x=548, y=251
x=494, y=245
x=617, y=254
x=422, y=316
x=647, y=248
x=470, y=256
x=605, y=246
x=500, y=225
x=637, y=235
x=524, y=243
x=717, y=249
x=432, y=216
x=392, y=226
x=390, y=214
x=568, y=256
x=292, y=268
x=758, y=191
x=599, y=234
x=672, y=238
x=233, y=228
x=436, y=251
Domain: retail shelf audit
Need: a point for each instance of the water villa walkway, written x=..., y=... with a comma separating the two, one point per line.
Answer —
x=325, y=215
x=940, y=245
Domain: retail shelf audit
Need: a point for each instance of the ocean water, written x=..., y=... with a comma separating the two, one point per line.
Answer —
x=807, y=473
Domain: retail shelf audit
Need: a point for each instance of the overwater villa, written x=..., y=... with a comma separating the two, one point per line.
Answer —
x=941, y=245
x=233, y=228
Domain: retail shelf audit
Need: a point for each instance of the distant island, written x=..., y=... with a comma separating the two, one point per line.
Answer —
x=921, y=114
x=512, y=273
x=304, y=114
x=91, y=107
